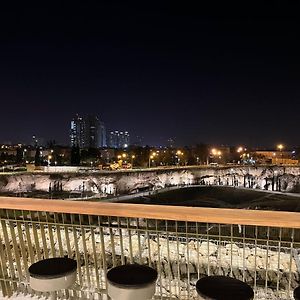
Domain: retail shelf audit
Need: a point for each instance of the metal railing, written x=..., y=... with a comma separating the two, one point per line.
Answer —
x=180, y=242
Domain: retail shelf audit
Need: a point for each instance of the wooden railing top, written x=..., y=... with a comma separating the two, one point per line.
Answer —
x=161, y=212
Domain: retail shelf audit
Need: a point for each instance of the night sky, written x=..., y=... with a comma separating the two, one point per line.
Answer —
x=216, y=74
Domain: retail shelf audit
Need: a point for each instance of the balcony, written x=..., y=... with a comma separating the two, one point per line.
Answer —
x=182, y=243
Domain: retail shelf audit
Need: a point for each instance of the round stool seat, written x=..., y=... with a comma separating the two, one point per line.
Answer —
x=297, y=293
x=223, y=288
x=131, y=282
x=52, y=274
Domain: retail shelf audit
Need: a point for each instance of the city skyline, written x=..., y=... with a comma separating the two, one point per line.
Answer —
x=159, y=71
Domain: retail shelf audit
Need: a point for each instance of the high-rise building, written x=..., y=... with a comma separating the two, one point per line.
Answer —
x=35, y=141
x=87, y=132
x=119, y=139
x=77, y=132
x=113, y=137
x=102, y=135
x=91, y=131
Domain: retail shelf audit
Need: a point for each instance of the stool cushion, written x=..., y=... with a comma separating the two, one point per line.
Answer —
x=223, y=288
x=131, y=276
x=52, y=268
x=297, y=293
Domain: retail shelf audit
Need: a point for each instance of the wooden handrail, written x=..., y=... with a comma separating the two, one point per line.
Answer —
x=161, y=212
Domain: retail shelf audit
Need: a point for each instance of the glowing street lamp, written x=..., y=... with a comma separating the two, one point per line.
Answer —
x=214, y=151
x=178, y=154
x=240, y=149
x=132, y=158
x=280, y=147
x=150, y=158
x=49, y=159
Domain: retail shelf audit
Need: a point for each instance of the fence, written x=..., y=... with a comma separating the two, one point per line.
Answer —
x=182, y=243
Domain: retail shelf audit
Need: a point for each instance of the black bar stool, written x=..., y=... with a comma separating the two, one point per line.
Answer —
x=131, y=282
x=297, y=293
x=223, y=288
x=52, y=274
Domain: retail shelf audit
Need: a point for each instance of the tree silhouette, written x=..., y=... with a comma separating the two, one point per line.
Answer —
x=37, y=157
x=19, y=156
x=75, y=156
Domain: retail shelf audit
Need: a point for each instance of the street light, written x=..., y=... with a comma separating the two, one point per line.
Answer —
x=280, y=147
x=151, y=157
x=216, y=153
x=241, y=150
x=132, y=158
x=49, y=159
x=178, y=154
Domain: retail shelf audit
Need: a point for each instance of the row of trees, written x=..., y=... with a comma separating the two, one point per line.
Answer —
x=137, y=156
x=140, y=156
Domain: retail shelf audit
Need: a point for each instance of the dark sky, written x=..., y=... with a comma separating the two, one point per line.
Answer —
x=217, y=74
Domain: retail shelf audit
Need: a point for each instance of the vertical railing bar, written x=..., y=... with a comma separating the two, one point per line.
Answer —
x=139, y=240
x=3, y=274
x=130, y=241
x=278, y=262
x=158, y=258
x=267, y=259
x=85, y=254
x=77, y=253
x=178, y=259
x=231, y=248
x=148, y=243
x=66, y=229
x=22, y=247
x=8, y=253
x=103, y=250
x=121, y=242
x=220, y=250
x=29, y=239
x=198, y=254
x=42, y=230
x=50, y=233
x=188, y=259
x=255, y=255
x=5, y=285
x=18, y=249
x=207, y=239
x=69, y=251
x=244, y=252
x=17, y=258
x=291, y=260
x=57, y=227
x=96, y=268
x=58, y=234
x=112, y=242
x=168, y=258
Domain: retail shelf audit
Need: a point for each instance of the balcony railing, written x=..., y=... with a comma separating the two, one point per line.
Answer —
x=182, y=243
